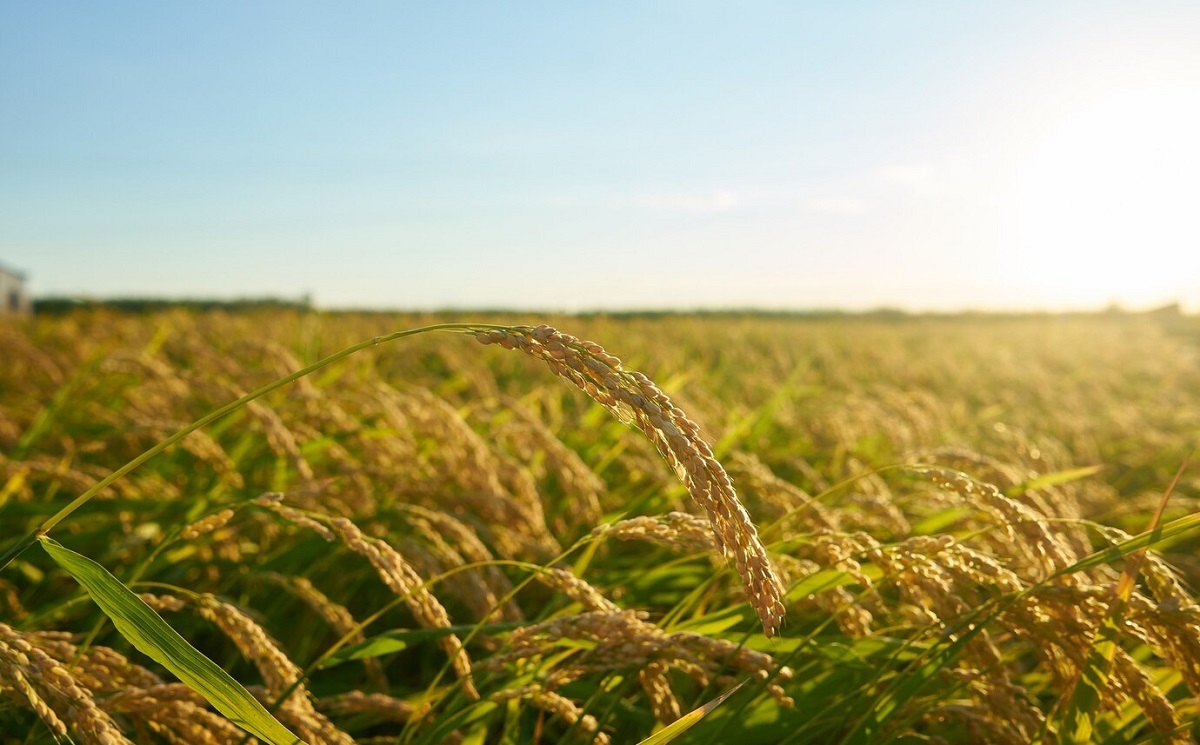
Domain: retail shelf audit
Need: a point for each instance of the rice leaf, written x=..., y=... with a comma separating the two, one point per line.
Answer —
x=1079, y=721
x=1059, y=477
x=397, y=640
x=1154, y=539
x=689, y=720
x=941, y=520
x=151, y=635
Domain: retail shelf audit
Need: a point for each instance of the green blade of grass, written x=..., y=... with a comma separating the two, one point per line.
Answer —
x=1079, y=721
x=397, y=640
x=1149, y=539
x=689, y=720
x=1058, y=477
x=149, y=634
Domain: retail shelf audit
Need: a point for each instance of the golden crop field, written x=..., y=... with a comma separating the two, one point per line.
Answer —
x=951, y=521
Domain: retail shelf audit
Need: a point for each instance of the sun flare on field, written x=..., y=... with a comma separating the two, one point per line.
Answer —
x=1107, y=203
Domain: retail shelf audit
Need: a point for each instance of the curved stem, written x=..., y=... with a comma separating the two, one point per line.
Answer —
x=48, y=524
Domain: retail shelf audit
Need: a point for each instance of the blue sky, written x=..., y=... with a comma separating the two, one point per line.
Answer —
x=562, y=156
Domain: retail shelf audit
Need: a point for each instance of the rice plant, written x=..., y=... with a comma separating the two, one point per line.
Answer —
x=280, y=527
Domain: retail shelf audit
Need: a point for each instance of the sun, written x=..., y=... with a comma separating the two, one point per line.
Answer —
x=1107, y=205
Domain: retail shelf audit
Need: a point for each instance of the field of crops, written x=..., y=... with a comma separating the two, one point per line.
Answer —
x=944, y=529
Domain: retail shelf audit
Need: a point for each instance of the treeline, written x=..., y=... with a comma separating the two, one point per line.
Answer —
x=53, y=306
x=56, y=306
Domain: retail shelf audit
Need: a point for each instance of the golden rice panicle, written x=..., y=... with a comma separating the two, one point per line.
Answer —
x=500, y=494
x=576, y=588
x=636, y=400
x=377, y=704
x=1011, y=479
x=663, y=701
x=16, y=669
x=933, y=575
x=453, y=544
x=1161, y=578
x=556, y=704
x=1061, y=619
x=273, y=501
x=1045, y=548
x=53, y=692
x=524, y=433
x=104, y=669
x=781, y=497
x=674, y=530
x=1169, y=616
x=10, y=601
x=539, y=638
x=1174, y=629
x=626, y=640
x=395, y=572
x=280, y=440
x=1130, y=680
x=207, y=524
x=174, y=713
x=838, y=550
x=337, y=616
x=278, y=671
x=404, y=581
x=850, y=612
x=318, y=405
x=871, y=505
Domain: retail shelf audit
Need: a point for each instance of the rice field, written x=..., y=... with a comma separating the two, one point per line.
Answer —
x=511, y=529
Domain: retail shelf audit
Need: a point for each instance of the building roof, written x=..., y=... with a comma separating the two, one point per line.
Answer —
x=12, y=272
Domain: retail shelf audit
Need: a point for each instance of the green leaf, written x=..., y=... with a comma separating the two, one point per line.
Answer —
x=1059, y=477
x=821, y=581
x=1153, y=539
x=398, y=640
x=939, y=521
x=149, y=634
x=689, y=720
x=1079, y=721
x=712, y=624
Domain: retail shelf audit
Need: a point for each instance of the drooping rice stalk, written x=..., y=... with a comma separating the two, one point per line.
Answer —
x=636, y=400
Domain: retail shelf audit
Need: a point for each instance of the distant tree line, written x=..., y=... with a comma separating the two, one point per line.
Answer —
x=54, y=306
x=57, y=306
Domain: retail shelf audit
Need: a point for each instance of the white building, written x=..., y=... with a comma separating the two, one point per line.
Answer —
x=14, y=300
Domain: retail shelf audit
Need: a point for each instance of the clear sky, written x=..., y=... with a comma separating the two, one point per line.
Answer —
x=568, y=156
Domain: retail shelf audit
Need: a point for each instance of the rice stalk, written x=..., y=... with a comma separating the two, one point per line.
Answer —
x=636, y=400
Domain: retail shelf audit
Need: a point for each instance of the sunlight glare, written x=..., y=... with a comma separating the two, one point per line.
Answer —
x=1107, y=204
